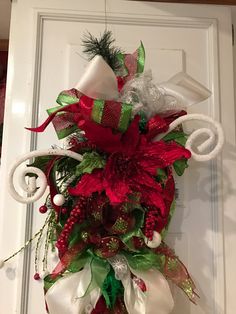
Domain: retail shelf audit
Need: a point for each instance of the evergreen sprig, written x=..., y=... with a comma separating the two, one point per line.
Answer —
x=102, y=46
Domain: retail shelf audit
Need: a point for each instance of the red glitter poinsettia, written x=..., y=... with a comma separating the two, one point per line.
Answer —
x=131, y=167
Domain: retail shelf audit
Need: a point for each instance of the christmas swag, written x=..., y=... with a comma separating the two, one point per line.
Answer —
x=111, y=187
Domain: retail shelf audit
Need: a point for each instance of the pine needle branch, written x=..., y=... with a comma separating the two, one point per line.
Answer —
x=103, y=46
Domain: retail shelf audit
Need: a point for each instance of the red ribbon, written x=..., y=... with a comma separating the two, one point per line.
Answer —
x=160, y=123
x=67, y=258
x=73, y=108
x=176, y=271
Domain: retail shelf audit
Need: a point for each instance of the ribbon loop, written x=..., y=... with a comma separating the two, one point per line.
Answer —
x=156, y=294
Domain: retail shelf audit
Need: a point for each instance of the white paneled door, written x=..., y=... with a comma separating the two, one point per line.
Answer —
x=46, y=58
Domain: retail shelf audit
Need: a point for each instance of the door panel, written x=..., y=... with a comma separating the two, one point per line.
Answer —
x=176, y=38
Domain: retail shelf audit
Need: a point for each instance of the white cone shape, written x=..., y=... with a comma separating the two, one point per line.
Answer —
x=66, y=296
x=157, y=299
x=98, y=81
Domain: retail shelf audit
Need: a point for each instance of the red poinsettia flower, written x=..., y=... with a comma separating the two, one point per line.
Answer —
x=131, y=166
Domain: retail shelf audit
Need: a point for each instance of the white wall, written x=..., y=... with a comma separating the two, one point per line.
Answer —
x=5, y=13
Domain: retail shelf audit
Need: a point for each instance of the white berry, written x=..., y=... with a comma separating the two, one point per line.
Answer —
x=155, y=242
x=59, y=199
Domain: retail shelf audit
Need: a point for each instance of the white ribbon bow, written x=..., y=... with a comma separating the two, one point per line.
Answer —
x=68, y=295
x=99, y=82
x=156, y=299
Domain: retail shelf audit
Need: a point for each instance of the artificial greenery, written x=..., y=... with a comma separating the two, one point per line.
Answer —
x=90, y=162
x=178, y=137
x=102, y=46
x=111, y=289
x=181, y=139
x=180, y=166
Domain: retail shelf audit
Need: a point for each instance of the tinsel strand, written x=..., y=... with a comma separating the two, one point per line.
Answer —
x=27, y=243
x=36, y=256
x=22, y=248
x=46, y=247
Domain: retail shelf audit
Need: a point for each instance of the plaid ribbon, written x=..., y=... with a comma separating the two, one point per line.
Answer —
x=112, y=114
x=64, y=122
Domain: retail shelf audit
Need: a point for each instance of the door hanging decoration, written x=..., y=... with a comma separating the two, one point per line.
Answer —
x=111, y=187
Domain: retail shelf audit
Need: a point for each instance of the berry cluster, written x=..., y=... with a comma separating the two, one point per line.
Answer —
x=76, y=216
x=150, y=222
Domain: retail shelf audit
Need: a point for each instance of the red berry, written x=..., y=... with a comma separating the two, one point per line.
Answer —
x=36, y=276
x=73, y=141
x=43, y=209
x=74, y=214
x=64, y=210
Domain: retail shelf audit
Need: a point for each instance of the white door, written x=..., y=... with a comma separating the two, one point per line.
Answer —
x=45, y=58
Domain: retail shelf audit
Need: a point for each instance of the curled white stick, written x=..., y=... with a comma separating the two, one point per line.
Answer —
x=215, y=136
x=30, y=187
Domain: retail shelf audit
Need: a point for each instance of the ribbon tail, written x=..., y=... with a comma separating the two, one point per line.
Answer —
x=175, y=271
x=185, y=90
x=66, y=259
x=156, y=297
x=68, y=294
x=44, y=125
x=73, y=108
x=132, y=64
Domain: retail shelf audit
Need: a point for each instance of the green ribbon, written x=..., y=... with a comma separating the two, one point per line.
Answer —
x=67, y=97
x=125, y=117
x=97, y=110
x=99, y=271
x=71, y=128
x=49, y=282
x=124, y=71
x=145, y=260
x=120, y=122
x=136, y=232
x=141, y=59
x=78, y=263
